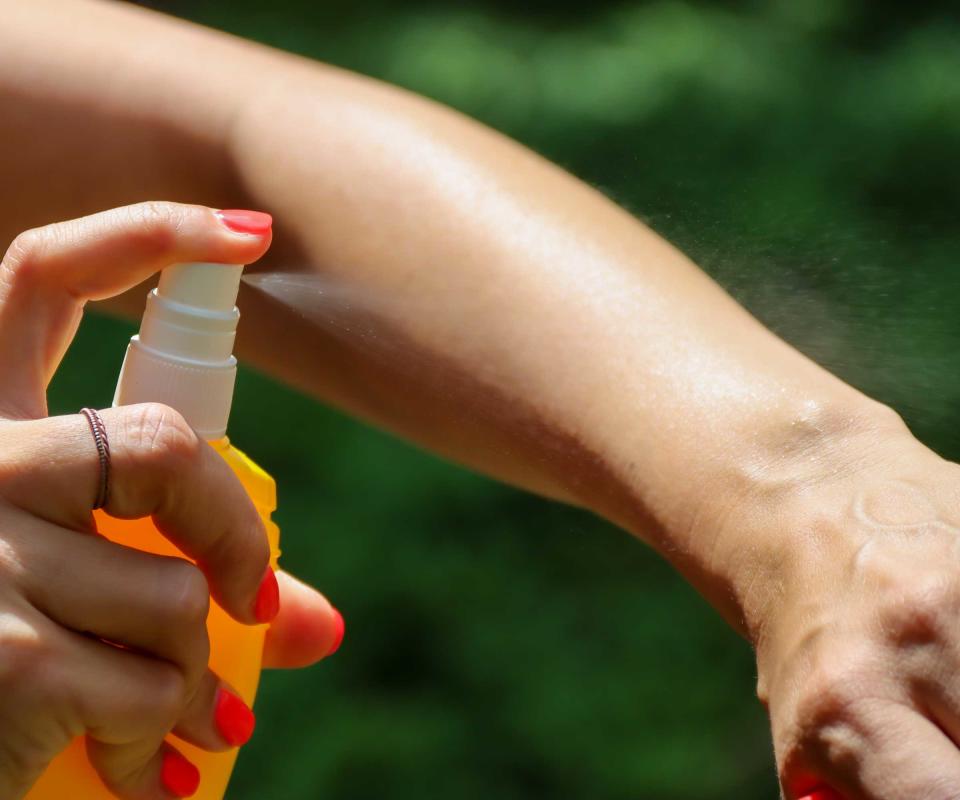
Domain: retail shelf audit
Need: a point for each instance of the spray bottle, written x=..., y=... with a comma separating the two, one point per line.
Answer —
x=183, y=357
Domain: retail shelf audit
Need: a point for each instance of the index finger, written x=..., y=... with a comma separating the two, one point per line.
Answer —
x=49, y=273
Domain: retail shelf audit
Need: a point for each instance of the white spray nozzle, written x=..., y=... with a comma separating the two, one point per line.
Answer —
x=183, y=355
x=205, y=286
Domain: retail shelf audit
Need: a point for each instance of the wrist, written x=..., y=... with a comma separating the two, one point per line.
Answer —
x=776, y=512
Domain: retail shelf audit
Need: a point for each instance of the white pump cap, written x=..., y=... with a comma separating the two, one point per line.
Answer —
x=183, y=355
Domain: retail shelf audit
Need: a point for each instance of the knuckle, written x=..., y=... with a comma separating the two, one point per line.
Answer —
x=24, y=653
x=834, y=714
x=832, y=739
x=829, y=696
x=163, y=437
x=841, y=744
x=24, y=257
x=189, y=594
x=920, y=613
x=155, y=225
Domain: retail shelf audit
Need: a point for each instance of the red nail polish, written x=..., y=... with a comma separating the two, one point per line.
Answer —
x=234, y=719
x=179, y=776
x=241, y=221
x=339, y=628
x=267, y=605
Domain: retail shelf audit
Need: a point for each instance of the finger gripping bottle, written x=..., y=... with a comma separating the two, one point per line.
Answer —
x=183, y=358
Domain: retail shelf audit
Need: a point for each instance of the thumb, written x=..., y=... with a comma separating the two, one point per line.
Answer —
x=306, y=630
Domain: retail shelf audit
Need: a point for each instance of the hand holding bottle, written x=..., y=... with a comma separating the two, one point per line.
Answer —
x=96, y=638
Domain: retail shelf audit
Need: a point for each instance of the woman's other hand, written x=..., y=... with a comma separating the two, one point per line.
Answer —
x=68, y=597
x=859, y=649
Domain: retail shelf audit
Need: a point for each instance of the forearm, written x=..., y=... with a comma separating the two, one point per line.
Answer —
x=487, y=304
x=474, y=297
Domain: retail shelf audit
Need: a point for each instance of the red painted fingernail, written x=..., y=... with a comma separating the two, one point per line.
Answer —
x=339, y=628
x=179, y=776
x=822, y=794
x=234, y=719
x=267, y=605
x=241, y=221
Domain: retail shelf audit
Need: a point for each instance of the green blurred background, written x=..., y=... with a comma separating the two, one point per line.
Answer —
x=805, y=152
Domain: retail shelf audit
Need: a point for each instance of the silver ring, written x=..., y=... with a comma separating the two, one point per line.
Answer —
x=99, y=431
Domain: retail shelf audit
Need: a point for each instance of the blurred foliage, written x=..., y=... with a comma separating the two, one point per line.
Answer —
x=805, y=153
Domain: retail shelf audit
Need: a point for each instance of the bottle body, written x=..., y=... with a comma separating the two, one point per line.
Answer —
x=236, y=650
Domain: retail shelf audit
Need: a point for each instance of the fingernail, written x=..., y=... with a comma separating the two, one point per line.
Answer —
x=234, y=719
x=822, y=794
x=240, y=221
x=267, y=605
x=179, y=776
x=339, y=628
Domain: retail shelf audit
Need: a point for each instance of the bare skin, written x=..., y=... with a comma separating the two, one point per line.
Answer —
x=68, y=596
x=538, y=333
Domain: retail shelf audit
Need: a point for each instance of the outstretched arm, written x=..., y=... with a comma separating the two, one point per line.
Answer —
x=442, y=281
x=448, y=283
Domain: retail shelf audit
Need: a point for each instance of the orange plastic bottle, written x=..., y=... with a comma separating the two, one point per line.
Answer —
x=183, y=358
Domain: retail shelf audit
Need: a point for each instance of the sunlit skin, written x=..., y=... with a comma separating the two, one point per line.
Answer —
x=510, y=317
x=69, y=596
